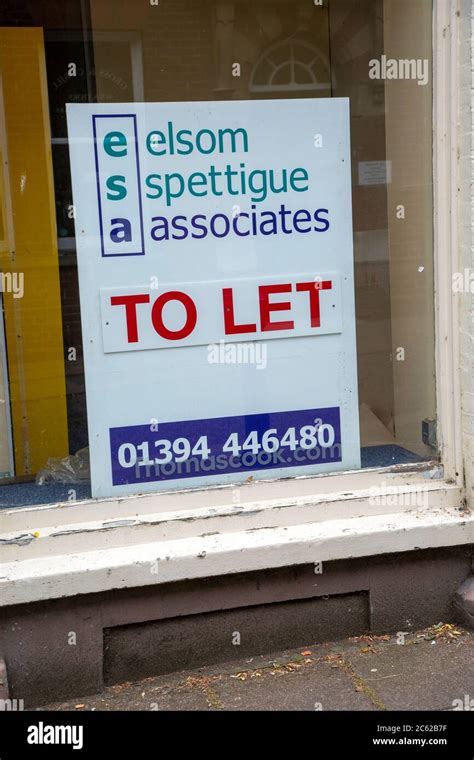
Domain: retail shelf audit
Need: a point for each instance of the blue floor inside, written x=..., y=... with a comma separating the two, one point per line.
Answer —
x=28, y=494
x=387, y=456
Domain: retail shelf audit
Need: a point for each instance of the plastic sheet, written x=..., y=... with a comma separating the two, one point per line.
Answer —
x=75, y=468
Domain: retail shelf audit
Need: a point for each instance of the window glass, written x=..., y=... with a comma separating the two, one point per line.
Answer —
x=377, y=53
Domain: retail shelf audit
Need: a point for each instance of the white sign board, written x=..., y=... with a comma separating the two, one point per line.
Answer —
x=214, y=248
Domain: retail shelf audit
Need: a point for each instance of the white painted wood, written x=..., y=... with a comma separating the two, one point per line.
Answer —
x=340, y=487
x=446, y=173
x=205, y=556
x=54, y=540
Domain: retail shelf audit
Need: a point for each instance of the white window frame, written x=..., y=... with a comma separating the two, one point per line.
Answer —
x=65, y=549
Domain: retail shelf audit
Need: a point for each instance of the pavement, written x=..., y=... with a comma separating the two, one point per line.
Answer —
x=424, y=670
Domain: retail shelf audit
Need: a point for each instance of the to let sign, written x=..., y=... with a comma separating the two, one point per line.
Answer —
x=215, y=258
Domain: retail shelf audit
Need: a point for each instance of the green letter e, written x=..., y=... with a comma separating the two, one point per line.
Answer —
x=115, y=144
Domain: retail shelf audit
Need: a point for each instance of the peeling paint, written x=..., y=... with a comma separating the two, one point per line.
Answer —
x=119, y=523
x=22, y=540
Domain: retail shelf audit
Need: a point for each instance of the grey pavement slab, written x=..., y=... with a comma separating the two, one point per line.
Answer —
x=431, y=670
x=315, y=687
x=426, y=675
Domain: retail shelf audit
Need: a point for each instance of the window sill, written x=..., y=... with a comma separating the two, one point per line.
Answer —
x=58, y=551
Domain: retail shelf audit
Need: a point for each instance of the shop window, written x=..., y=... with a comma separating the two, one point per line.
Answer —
x=188, y=51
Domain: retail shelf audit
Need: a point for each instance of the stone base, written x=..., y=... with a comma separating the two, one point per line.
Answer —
x=463, y=603
x=64, y=648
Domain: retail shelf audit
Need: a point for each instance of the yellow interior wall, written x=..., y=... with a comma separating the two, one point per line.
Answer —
x=33, y=323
